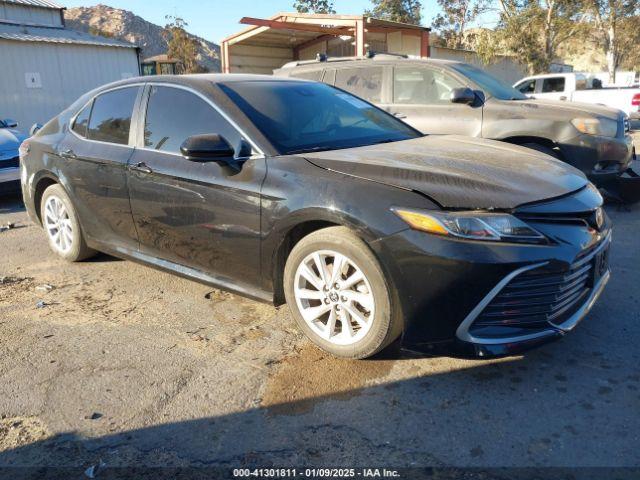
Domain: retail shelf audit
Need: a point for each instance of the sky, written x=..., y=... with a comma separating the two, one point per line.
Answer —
x=215, y=19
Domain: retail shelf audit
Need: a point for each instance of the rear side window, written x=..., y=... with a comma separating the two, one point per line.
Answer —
x=111, y=116
x=312, y=75
x=527, y=87
x=82, y=121
x=550, y=85
x=422, y=86
x=363, y=82
x=173, y=115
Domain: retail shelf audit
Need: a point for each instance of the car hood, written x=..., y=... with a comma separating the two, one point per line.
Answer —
x=458, y=172
x=574, y=109
x=10, y=140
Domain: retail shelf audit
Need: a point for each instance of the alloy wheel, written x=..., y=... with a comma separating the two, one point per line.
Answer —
x=58, y=224
x=334, y=297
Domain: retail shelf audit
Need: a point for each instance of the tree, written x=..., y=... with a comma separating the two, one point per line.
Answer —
x=181, y=46
x=615, y=30
x=456, y=15
x=532, y=30
x=631, y=34
x=404, y=11
x=314, y=6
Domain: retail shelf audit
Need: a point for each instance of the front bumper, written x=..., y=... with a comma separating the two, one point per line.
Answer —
x=600, y=158
x=444, y=285
x=468, y=345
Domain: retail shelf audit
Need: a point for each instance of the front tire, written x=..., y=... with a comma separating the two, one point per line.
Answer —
x=338, y=294
x=61, y=225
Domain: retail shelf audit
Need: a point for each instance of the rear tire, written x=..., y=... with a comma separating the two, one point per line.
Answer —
x=60, y=222
x=347, y=312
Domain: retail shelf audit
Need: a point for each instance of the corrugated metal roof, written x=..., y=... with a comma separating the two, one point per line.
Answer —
x=57, y=35
x=36, y=3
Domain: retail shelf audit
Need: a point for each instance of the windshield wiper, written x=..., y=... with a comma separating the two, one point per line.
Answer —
x=310, y=149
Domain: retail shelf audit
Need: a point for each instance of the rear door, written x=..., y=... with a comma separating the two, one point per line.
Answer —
x=421, y=97
x=365, y=82
x=552, y=88
x=95, y=153
x=201, y=215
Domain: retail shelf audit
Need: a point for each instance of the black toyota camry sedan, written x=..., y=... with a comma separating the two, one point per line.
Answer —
x=293, y=191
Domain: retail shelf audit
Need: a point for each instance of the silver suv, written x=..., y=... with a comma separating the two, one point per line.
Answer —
x=446, y=97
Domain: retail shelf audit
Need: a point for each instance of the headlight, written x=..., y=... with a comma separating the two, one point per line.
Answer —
x=471, y=225
x=603, y=127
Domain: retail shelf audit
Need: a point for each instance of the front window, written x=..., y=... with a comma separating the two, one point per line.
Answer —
x=528, y=86
x=422, y=86
x=298, y=117
x=489, y=84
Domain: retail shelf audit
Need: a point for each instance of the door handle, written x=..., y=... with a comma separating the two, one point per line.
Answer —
x=563, y=97
x=141, y=167
x=399, y=115
x=67, y=153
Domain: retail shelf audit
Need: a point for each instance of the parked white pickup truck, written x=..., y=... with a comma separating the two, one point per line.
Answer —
x=578, y=87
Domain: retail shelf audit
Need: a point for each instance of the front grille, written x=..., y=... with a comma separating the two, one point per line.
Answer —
x=10, y=162
x=541, y=296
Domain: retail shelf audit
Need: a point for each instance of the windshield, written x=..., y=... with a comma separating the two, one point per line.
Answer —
x=301, y=117
x=2, y=124
x=488, y=83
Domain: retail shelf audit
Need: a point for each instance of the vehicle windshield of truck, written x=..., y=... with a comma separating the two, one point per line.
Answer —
x=301, y=117
x=489, y=84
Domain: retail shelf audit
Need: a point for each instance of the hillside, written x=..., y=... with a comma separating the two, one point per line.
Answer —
x=124, y=25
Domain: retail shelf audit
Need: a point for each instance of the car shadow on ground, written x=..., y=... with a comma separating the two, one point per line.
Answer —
x=520, y=411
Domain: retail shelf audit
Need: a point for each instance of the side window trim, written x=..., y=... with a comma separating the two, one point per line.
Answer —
x=132, y=133
x=144, y=103
x=72, y=122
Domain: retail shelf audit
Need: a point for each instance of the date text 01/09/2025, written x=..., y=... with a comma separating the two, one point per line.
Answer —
x=315, y=473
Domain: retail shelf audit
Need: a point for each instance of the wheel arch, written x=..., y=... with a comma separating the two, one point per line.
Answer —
x=297, y=226
x=524, y=139
x=43, y=181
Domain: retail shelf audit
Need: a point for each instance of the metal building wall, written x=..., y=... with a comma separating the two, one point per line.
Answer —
x=30, y=15
x=57, y=74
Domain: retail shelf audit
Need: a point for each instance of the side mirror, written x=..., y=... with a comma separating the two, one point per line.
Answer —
x=463, y=95
x=34, y=129
x=10, y=123
x=209, y=147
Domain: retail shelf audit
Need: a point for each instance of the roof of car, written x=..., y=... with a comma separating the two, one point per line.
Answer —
x=378, y=58
x=199, y=79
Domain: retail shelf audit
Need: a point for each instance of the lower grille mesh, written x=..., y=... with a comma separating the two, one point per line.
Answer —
x=537, y=297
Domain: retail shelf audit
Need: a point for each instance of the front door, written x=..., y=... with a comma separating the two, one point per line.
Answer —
x=95, y=153
x=421, y=97
x=203, y=215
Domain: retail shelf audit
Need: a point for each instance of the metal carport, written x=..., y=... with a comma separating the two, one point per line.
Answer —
x=268, y=44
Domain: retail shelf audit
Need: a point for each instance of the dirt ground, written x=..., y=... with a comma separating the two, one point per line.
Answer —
x=118, y=364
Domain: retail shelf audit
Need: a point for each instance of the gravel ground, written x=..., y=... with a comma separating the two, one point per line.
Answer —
x=130, y=366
